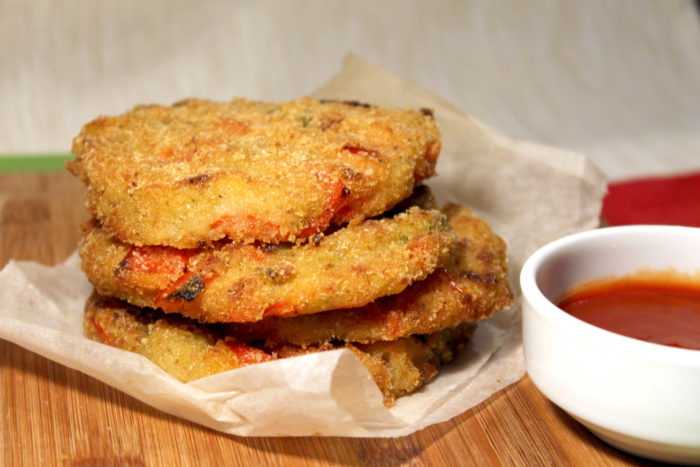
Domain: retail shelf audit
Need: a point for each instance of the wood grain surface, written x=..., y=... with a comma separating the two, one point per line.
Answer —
x=52, y=415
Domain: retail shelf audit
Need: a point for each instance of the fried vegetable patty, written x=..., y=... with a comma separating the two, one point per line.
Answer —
x=472, y=285
x=195, y=172
x=189, y=350
x=239, y=282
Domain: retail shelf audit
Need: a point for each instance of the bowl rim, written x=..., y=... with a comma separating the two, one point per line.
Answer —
x=583, y=330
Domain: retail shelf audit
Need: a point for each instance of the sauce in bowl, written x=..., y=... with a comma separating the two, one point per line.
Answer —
x=655, y=306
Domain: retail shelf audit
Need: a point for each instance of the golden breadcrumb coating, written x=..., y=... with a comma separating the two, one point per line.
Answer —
x=195, y=172
x=402, y=366
x=189, y=350
x=471, y=286
x=179, y=346
x=246, y=282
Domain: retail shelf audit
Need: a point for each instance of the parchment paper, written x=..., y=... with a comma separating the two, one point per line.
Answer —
x=529, y=193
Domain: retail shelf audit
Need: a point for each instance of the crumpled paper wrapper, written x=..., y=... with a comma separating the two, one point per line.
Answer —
x=529, y=193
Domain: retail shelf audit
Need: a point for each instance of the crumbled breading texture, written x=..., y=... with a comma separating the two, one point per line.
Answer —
x=198, y=171
x=470, y=286
x=189, y=350
x=245, y=282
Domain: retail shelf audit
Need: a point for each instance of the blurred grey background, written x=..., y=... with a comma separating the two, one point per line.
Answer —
x=617, y=80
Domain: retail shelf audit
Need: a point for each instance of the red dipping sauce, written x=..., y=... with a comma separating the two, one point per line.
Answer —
x=658, y=307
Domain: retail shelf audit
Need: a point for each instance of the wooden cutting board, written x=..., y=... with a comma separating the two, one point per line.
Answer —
x=52, y=415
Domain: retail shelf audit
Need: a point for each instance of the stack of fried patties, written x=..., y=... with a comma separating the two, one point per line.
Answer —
x=229, y=234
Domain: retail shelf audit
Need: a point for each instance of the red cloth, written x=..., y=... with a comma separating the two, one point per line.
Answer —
x=673, y=200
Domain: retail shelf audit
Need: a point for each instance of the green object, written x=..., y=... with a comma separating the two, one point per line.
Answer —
x=33, y=162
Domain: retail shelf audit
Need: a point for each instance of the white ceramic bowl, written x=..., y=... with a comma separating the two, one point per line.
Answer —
x=641, y=397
